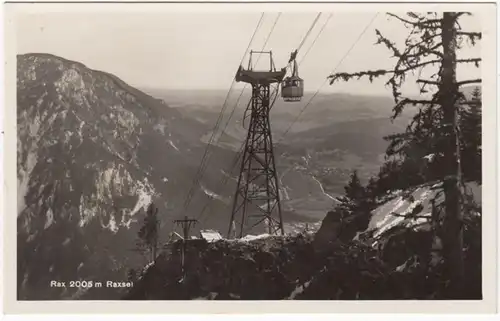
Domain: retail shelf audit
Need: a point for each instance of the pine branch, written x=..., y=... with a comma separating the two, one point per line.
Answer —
x=390, y=45
x=471, y=36
x=475, y=61
x=419, y=101
x=422, y=64
x=372, y=74
x=398, y=109
x=426, y=39
x=427, y=82
x=425, y=50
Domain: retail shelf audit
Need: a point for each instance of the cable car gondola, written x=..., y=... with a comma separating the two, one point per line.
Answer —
x=292, y=87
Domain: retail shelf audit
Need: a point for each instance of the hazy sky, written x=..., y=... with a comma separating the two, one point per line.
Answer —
x=203, y=49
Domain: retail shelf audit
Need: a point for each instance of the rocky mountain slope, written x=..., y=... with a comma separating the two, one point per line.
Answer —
x=92, y=153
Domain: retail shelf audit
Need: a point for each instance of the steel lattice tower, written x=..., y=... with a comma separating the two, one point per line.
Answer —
x=258, y=190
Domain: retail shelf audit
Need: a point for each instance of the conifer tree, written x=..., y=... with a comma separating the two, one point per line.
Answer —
x=470, y=127
x=355, y=207
x=148, y=233
x=432, y=42
x=354, y=190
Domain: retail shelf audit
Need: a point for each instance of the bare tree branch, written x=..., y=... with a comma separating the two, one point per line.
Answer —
x=428, y=82
x=471, y=81
x=402, y=19
x=475, y=61
x=421, y=23
x=469, y=34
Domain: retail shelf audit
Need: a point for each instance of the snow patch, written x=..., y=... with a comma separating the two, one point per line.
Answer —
x=85, y=212
x=112, y=224
x=389, y=221
x=173, y=145
x=429, y=157
x=212, y=194
x=160, y=128
x=210, y=235
x=23, y=180
x=82, y=123
x=144, y=198
x=50, y=219
x=249, y=238
x=298, y=290
x=386, y=209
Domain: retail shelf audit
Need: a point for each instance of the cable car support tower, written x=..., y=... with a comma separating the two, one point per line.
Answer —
x=257, y=190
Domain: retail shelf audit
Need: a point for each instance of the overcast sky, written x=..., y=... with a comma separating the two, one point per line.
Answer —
x=197, y=50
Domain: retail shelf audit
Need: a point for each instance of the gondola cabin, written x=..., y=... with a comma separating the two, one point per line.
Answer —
x=292, y=89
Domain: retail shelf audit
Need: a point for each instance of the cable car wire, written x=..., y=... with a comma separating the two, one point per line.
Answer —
x=202, y=165
x=326, y=79
x=315, y=39
x=224, y=179
x=309, y=32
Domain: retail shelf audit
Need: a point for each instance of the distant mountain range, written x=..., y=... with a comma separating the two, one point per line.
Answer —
x=94, y=151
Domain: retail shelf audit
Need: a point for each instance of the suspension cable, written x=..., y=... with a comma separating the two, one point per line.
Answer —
x=309, y=32
x=315, y=39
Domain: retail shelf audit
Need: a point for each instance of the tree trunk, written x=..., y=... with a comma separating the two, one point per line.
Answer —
x=452, y=228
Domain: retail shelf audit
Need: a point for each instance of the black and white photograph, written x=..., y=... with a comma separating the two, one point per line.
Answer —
x=264, y=154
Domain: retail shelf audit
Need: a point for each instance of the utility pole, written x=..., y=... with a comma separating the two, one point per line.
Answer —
x=186, y=224
x=453, y=226
x=258, y=180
